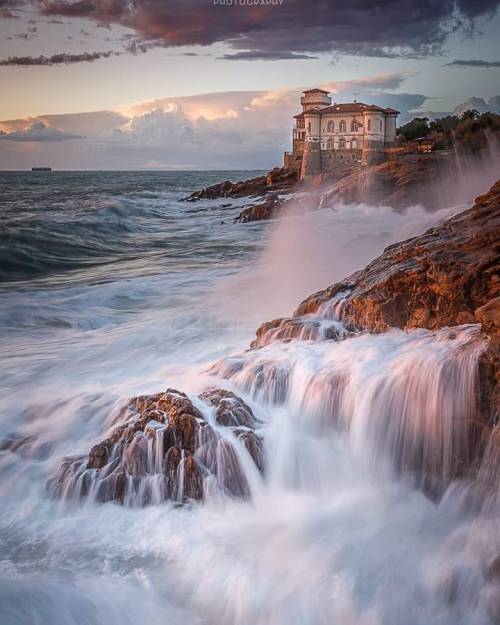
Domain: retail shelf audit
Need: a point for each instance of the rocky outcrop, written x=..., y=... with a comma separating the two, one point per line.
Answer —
x=269, y=209
x=445, y=277
x=278, y=179
x=165, y=448
x=398, y=183
x=303, y=327
x=440, y=278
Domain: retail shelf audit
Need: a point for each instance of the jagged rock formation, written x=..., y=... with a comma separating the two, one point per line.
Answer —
x=164, y=448
x=269, y=209
x=445, y=277
x=278, y=179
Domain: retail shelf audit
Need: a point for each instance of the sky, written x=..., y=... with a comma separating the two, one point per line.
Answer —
x=214, y=84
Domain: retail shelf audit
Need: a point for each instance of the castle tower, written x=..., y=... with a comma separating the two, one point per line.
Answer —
x=315, y=98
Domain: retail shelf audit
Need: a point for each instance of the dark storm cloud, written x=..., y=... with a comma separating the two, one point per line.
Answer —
x=473, y=63
x=56, y=59
x=8, y=7
x=256, y=55
x=268, y=29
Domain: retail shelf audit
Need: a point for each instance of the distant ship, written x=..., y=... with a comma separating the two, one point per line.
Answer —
x=41, y=169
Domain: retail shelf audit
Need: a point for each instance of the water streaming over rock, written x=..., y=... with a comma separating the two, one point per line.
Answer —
x=344, y=499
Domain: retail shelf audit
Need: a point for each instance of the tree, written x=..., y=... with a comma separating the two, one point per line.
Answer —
x=418, y=127
x=470, y=114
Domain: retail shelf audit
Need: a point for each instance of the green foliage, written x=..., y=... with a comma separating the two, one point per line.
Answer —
x=418, y=127
x=468, y=132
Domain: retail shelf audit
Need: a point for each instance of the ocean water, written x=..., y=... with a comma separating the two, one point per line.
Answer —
x=110, y=287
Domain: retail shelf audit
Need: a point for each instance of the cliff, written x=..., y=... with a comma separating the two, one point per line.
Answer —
x=398, y=183
x=445, y=277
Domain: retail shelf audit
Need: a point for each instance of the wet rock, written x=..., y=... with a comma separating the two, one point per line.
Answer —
x=99, y=455
x=184, y=428
x=269, y=209
x=254, y=446
x=278, y=179
x=230, y=410
x=164, y=449
x=304, y=327
x=445, y=277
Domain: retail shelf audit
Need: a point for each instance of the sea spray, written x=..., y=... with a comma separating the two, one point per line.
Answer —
x=338, y=529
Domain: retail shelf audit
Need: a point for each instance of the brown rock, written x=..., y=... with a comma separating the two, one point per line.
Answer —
x=277, y=179
x=269, y=209
x=99, y=455
x=230, y=409
x=440, y=278
x=164, y=441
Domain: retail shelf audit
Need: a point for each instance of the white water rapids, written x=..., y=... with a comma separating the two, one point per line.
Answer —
x=341, y=528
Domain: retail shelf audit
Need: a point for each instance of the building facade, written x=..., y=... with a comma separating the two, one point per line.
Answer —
x=332, y=137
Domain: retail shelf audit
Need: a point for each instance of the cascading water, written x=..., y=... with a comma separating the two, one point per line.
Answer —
x=361, y=513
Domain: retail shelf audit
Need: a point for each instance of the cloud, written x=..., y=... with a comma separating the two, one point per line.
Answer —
x=256, y=55
x=88, y=124
x=37, y=133
x=478, y=104
x=233, y=129
x=393, y=28
x=56, y=59
x=7, y=7
x=473, y=63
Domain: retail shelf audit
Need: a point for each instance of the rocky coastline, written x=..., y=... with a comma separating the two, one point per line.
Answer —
x=167, y=446
x=407, y=177
x=445, y=278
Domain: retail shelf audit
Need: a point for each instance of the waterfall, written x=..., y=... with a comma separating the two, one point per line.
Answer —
x=403, y=402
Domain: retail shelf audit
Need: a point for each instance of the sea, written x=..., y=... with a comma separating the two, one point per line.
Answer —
x=112, y=286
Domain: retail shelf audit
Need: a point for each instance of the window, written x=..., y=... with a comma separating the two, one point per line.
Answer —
x=342, y=126
x=342, y=143
x=369, y=125
x=354, y=144
x=380, y=123
x=309, y=126
x=354, y=126
x=330, y=127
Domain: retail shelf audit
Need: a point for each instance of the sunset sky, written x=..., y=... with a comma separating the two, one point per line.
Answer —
x=199, y=84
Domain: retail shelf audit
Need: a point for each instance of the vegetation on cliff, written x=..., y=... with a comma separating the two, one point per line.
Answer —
x=469, y=132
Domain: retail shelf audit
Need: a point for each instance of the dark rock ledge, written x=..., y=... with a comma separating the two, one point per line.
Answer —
x=278, y=179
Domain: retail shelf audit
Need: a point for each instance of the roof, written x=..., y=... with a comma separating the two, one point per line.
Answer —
x=315, y=90
x=314, y=111
x=347, y=107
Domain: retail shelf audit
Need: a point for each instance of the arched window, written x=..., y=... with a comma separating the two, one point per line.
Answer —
x=342, y=126
x=354, y=126
x=342, y=142
x=330, y=127
x=369, y=125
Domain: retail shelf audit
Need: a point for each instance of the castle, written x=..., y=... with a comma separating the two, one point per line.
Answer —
x=330, y=138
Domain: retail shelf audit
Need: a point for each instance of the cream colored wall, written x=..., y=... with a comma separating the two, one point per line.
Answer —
x=314, y=120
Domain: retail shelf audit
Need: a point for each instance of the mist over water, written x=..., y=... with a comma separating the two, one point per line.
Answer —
x=112, y=287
